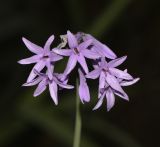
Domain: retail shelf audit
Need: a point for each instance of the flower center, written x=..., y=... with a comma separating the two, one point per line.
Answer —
x=45, y=57
x=76, y=50
x=105, y=70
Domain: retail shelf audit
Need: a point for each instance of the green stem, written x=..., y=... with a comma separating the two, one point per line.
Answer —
x=77, y=129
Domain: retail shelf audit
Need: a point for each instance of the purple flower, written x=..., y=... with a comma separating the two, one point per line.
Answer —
x=83, y=88
x=107, y=72
x=43, y=80
x=80, y=47
x=110, y=93
x=43, y=56
x=110, y=80
x=97, y=46
x=77, y=53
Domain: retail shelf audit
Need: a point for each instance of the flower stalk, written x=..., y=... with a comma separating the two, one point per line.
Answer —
x=78, y=122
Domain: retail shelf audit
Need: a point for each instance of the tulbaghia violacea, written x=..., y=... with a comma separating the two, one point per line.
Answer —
x=79, y=48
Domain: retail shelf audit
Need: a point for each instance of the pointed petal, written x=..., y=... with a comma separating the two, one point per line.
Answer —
x=90, y=54
x=117, y=62
x=113, y=82
x=84, y=93
x=128, y=83
x=102, y=80
x=102, y=83
x=103, y=63
x=54, y=57
x=72, y=41
x=71, y=64
x=120, y=74
x=108, y=52
x=39, y=73
x=81, y=76
x=83, y=88
x=99, y=104
x=48, y=43
x=63, y=52
x=85, y=44
x=62, y=84
x=32, y=47
x=33, y=82
x=100, y=101
x=49, y=69
x=29, y=60
x=39, y=66
x=82, y=62
x=123, y=95
x=53, y=92
x=110, y=99
x=101, y=48
x=94, y=74
x=41, y=87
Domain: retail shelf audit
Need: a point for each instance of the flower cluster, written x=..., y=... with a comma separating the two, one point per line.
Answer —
x=79, y=48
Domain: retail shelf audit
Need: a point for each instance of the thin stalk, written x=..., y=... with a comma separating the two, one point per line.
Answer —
x=77, y=129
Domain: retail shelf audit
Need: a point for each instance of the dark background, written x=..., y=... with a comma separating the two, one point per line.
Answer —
x=129, y=27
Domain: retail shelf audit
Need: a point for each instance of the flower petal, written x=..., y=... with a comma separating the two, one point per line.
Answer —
x=53, y=92
x=83, y=88
x=85, y=44
x=102, y=80
x=41, y=87
x=120, y=74
x=128, y=83
x=113, y=82
x=102, y=83
x=29, y=60
x=101, y=48
x=117, y=62
x=39, y=73
x=82, y=62
x=81, y=76
x=49, y=70
x=94, y=74
x=72, y=41
x=33, y=82
x=110, y=99
x=63, y=52
x=48, y=43
x=107, y=52
x=122, y=95
x=71, y=64
x=99, y=104
x=39, y=66
x=54, y=57
x=63, y=84
x=100, y=101
x=103, y=63
x=32, y=47
x=90, y=54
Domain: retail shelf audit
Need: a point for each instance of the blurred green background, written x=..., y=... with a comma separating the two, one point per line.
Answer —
x=129, y=27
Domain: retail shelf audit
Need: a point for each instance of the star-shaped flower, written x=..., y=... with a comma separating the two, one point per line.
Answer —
x=110, y=93
x=110, y=81
x=77, y=53
x=43, y=56
x=107, y=72
x=43, y=81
